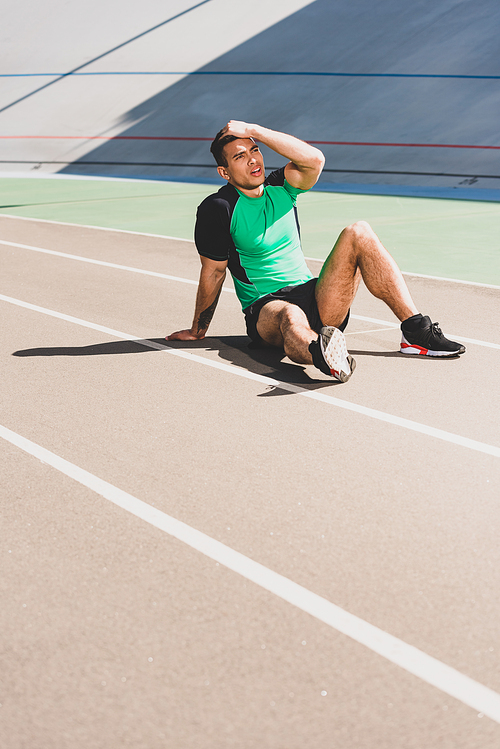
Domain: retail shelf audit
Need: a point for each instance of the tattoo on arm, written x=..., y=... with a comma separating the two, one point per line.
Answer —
x=207, y=314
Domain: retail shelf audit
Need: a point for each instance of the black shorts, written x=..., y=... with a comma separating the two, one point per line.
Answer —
x=302, y=295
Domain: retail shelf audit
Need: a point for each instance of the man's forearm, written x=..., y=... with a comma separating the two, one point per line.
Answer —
x=209, y=290
x=204, y=311
x=212, y=277
x=301, y=153
x=305, y=161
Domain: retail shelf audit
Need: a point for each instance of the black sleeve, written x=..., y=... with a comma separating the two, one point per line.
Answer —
x=276, y=178
x=211, y=234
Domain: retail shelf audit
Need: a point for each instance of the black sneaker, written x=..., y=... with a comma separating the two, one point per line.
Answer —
x=428, y=340
x=330, y=355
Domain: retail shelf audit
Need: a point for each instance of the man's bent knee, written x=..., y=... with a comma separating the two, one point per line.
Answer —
x=277, y=320
x=292, y=315
x=358, y=230
x=268, y=323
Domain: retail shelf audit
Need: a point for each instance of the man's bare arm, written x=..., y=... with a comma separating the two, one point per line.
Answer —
x=306, y=161
x=212, y=277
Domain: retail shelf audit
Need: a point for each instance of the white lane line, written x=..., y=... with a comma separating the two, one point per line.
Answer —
x=83, y=259
x=68, y=318
x=376, y=321
x=226, y=289
x=90, y=226
x=362, y=332
x=408, y=657
x=451, y=280
x=183, y=239
x=409, y=273
x=414, y=426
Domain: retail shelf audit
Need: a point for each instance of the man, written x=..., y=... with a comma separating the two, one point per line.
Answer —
x=250, y=225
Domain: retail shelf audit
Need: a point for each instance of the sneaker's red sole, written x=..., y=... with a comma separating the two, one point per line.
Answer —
x=413, y=349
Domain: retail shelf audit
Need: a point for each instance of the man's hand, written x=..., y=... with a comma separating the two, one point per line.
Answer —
x=184, y=335
x=240, y=129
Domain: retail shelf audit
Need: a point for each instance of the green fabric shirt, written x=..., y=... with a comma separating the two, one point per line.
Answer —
x=260, y=237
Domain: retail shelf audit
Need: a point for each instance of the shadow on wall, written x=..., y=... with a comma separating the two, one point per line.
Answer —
x=345, y=72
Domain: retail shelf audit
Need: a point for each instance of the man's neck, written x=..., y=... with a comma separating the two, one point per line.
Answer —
x=256, y=192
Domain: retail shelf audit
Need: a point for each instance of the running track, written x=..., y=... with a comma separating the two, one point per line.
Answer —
x=210, y=546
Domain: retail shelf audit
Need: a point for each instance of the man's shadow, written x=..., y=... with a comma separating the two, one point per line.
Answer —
x=237, y=350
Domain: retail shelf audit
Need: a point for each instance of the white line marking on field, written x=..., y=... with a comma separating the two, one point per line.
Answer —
x=83, y=259
x=361, y=332
x=99, y=228
x=226, y=289
x=451, y=280
x=414, y=426
x=183, y=239
x=421, y=275
x=409, y=658
x=376, y=321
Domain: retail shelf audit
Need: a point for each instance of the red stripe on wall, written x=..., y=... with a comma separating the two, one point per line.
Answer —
x=183, y=138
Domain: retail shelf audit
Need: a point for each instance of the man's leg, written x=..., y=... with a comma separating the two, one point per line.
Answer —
x=285, y=325
x=358, y=253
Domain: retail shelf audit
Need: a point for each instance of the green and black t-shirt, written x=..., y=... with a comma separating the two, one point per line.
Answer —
x=259, y=237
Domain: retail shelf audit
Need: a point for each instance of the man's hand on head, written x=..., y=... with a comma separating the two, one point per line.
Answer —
x=184, y=335
x=239, y=129
x=305, y=161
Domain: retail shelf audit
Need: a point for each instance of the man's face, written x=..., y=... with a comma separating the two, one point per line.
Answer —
x=245, y=164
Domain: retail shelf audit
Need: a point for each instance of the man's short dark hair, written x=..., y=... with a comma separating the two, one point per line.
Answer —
x=217, y=147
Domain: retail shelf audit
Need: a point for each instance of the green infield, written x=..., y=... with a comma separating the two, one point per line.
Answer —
x=457, y=239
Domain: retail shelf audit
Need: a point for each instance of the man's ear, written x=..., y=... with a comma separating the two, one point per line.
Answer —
x=223, y=173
